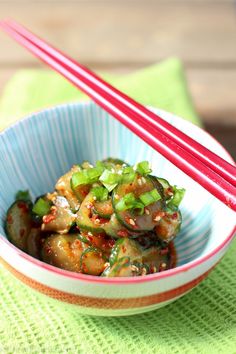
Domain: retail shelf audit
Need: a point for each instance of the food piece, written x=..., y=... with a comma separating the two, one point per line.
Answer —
x=126, y=248
x=60, y=218
x=116, y=230
x=99, y=240
x=92, y=261
x=18, y=223
x=169, y=225
x=117, y=164
x=63, y=187
x=125, y=268
x=110, y=220
x=104, y=208
x=86, y=219
x=134, y=219
x=63, y=251
x=33, y=243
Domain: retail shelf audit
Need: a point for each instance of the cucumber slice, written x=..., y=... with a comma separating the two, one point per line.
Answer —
x=167, y=188
x=63, y=187
x=63, y=251
x=60, y=219
x=86, y=220
x=125, y=268
x=33, y=242
x=100, y=241
x=155, y=259
x=111, y=162
x=116, y=230
x=92, y=261
x=120, y=269
x=18, y=223
x=104, y=209
x=169, y=226
x=126, y=248
x=131, y=218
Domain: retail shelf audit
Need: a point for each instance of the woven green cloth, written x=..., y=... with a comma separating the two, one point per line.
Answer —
x=203, y=321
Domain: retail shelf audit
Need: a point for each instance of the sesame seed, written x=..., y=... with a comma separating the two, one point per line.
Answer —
x=117, y=196
x=134, y=268
x=147, y=211
x=144, y=271
x=157, y=218
x=97, y=221
x=94, y=198
x=154, y=269
x=131, y=221
x=139, y=181
x=163, y=265
x=143, y=180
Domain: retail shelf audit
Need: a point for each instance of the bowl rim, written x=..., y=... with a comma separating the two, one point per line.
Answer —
x=118, y=280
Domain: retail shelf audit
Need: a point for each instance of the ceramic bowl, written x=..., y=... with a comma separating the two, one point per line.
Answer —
x=40, y=148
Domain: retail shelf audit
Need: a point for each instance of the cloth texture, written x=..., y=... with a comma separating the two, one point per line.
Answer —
x=203, y=321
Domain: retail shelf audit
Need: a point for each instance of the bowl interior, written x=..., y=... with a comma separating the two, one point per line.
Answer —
x=36, y=151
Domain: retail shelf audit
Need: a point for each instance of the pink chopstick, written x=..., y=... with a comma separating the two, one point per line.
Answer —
x=131, y=114
x=217, y=164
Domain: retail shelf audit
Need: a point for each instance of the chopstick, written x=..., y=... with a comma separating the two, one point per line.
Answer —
x=137, y=118
x=217, y=164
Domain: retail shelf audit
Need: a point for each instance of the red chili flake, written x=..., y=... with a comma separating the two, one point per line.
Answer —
x=22, y=232
x=111, y=243
x=48, y=250
x=48, y=218
x=10, y=219
x=23, y=206
x=158, y=215
x=169, y=191
x=90, y=238
x=174, y=216
x=122, y=233
x=124, y=249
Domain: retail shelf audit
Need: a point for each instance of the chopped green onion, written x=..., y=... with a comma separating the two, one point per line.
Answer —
x=110, y=179
x=87, y=176
x=23, y=195
x=128, y=174
x=177, y=197
x=100, y=193
x=129, y=202
x=110, y=187
x=41, y=207
x=143, y=168
x=150, y=197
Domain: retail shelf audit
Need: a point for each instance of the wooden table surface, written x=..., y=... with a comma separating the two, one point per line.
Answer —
x=122, y=36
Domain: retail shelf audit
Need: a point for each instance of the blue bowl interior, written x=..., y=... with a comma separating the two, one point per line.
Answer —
x=38, y=150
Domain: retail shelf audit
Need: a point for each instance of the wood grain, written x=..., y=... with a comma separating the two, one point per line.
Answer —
x=129, y=32
x=122, y=36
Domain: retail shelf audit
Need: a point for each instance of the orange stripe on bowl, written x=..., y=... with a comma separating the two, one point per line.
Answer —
x=104, y=303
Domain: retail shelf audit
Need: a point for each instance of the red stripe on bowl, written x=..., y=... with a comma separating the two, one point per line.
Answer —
x=105, y=303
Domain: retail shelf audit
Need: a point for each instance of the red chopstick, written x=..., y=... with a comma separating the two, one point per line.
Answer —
x=131, y=114
x=216, y=163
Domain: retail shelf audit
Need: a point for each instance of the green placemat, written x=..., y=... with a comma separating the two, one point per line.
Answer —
x=203, y=321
